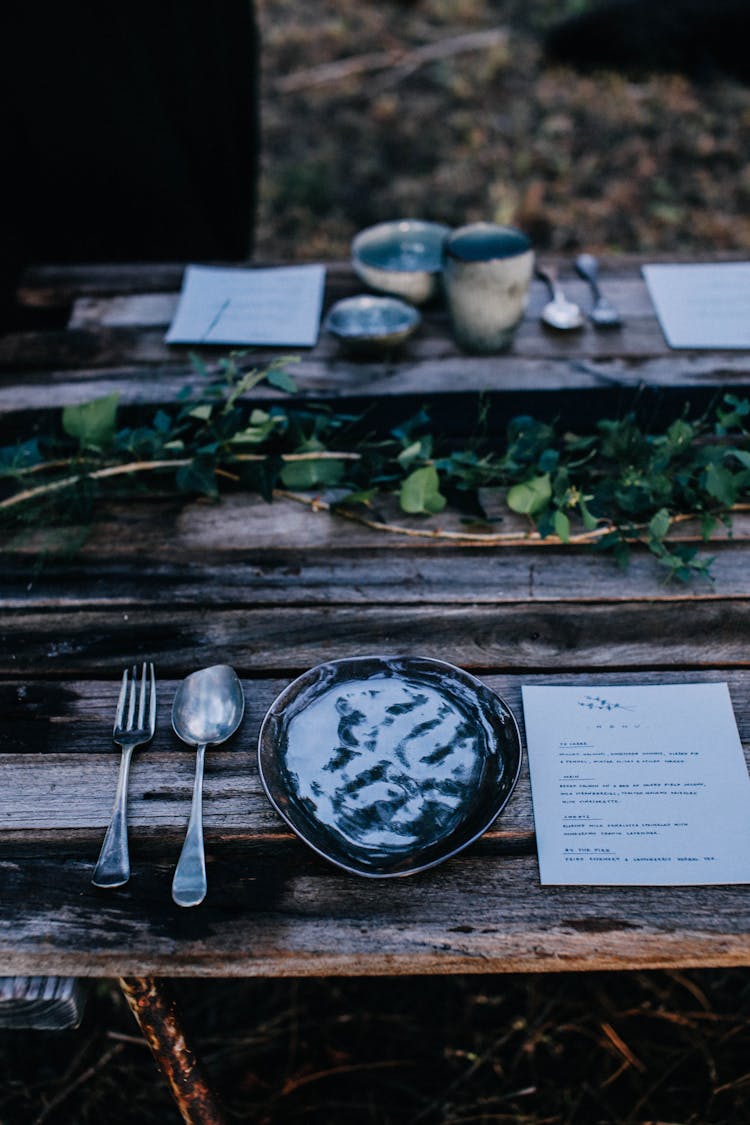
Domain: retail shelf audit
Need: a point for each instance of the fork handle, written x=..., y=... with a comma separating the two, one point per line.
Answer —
x=190, y=884
x=113, y=867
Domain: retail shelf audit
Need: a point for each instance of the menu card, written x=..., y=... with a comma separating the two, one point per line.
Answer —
x=638, y=785
x=702, y=306
x=277, y=307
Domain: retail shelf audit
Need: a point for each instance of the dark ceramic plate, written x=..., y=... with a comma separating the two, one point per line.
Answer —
x=388, y=765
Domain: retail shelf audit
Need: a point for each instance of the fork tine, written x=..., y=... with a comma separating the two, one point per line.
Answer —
x=142, y=698
x=120, y=714
x=152, y=703
x=131, y=700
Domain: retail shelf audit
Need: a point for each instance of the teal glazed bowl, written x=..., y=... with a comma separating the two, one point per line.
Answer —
x=368, y=325
x=403, y=257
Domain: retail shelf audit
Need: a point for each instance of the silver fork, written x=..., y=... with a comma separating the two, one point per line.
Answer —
x=113, y=868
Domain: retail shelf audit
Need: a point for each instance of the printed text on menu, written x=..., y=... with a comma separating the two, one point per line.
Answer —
x=638, y=785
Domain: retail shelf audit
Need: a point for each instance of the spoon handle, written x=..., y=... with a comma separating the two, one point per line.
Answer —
x=549, y=277
x=588, y=268
x=190, y=884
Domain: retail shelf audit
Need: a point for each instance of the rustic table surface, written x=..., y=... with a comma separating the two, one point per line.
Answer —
x=276, y=588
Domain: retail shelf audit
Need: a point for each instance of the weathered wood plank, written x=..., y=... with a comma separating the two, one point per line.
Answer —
x=60, y=284
x=108, y=346
x=58, y=766
x=143, y=310
x=64, y=717
x=68, y=797
x=567, y=637
x=527, y=378
x=246, y=549
x=465, y=577
x=104, y=331
x=284, y=912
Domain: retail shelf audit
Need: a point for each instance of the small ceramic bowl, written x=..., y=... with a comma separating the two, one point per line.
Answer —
x=403, y=257
x=372, y=325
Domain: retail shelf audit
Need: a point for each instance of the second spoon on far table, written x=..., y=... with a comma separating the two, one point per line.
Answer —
x=602, y=313
x=559, y=313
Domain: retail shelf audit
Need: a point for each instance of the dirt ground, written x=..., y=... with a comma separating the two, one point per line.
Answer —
x=444, y=109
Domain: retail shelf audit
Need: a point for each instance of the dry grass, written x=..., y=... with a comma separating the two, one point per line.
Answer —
x=620, y=1049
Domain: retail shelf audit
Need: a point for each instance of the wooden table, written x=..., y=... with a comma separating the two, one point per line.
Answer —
x=274, y=589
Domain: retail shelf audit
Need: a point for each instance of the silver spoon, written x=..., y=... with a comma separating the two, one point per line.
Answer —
x=603, y=313
x=207, y=709
x=559, y=313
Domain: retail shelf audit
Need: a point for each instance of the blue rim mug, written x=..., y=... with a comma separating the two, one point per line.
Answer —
x=487, y=271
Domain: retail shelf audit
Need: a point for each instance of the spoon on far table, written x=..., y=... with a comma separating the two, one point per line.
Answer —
x=559, y=313
x=603, y=313
x=207, y=710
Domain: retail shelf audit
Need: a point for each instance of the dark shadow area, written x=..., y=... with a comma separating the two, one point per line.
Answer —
x=130, y=132
x=693, y=37
x=547, y=1049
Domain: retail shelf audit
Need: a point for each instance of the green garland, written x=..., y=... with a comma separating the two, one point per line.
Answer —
x=612, y=488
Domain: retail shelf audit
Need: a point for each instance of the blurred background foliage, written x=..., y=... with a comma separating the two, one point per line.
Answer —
x=610, y=159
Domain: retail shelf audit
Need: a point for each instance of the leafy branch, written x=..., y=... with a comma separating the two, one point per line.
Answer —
x=609, y=489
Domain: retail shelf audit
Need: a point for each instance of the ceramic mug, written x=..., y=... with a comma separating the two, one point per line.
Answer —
x=487, y=270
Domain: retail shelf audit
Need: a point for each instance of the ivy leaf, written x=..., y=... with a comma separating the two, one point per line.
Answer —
x=680, y=434
x=410, y=454
x=531, y=496
x=162, y=422
x=549, y=460
x=21, y=456
x=589, y=522
x=733, y=417
x=721, y=484
x=420, y=492
x=364, y=497
x=282, y=380
x=742, y=456
x=198, y=477
x=403, y=433
x=659, y=524
x=561, y=524
x=262, y=425
x=202, y=411
x=302, y=475
x=261, y=476
x=92, y=423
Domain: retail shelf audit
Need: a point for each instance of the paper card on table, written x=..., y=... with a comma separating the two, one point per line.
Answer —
x=702, y=306
x=278, y=307
x=637, y=786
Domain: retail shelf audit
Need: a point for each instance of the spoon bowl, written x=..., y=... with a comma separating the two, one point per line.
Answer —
x=207, y=709
x=559, y=313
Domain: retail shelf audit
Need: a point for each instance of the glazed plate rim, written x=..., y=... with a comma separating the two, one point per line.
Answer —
x=507, y=746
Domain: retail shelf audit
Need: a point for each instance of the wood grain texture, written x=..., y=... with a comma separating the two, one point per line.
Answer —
x=58, y=766
x=243, y=551
x=119, y=317
x=277, y=912
x=564, y=637
x=54, y=387
x=274, y=590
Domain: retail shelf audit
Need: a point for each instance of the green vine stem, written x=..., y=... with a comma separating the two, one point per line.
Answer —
x=619, y=485
x=109, y=471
